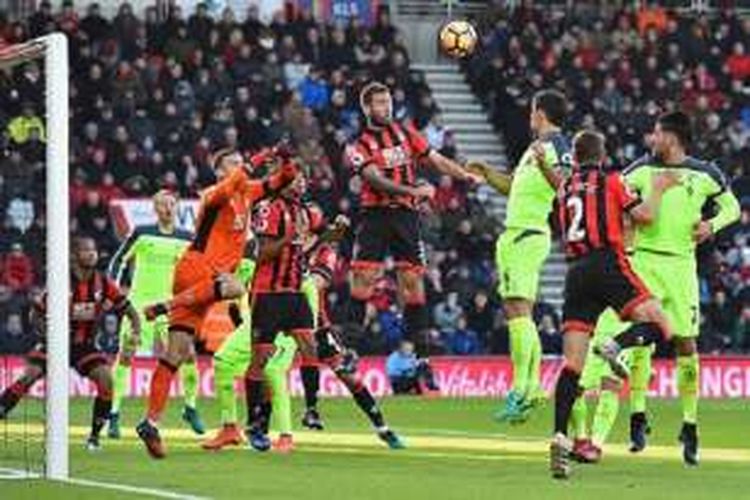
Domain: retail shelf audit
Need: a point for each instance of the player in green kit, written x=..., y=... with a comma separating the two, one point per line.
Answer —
x=665, y=253
x=230, y=363
x=598, y=380
x=148, y=257
x=524, y=246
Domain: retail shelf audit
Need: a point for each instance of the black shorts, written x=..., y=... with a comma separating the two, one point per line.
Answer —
x=395, y=231
x=279, y=312
x=597, y=281
x=84, y=357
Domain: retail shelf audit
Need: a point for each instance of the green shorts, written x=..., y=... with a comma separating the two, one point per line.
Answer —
x=674, y=281
x=235, y=351
x=520, y=255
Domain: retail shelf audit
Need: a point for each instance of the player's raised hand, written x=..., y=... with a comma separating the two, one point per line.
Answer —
x=702, y=231
x=666, y=180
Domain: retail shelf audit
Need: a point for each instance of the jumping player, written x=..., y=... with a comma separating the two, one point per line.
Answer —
x=204, y=274
x=523, y=247
x=665, y=258
x=92, y=294
x=591, y=208
x=148, y=257
x=386, y=156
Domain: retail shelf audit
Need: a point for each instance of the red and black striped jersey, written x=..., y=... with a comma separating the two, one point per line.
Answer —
x=395, y=150
x=88, y=300
x=291, y=221
x=590, y=209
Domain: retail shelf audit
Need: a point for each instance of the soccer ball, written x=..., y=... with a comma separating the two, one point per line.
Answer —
x=458, y=39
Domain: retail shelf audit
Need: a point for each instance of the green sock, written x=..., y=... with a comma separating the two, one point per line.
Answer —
x=121, y=376
x=578, y=417
x=640, y=375
x=190, y=377
x=224, y=382
x=521, y=330
x=281, y=403
x=604, y=417
x=313, y=298
x=688, y=370
x=276, y=373
x=535, y=366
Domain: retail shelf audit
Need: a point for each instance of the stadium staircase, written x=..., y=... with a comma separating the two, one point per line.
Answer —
x=476, y=138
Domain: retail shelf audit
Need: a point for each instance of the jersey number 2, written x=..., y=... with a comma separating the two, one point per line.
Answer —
x=575, y=231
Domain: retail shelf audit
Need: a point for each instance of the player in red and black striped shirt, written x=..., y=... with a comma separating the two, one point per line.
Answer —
x=92, y=294
x=386, y=156
x=591, y=206
x=283, y=226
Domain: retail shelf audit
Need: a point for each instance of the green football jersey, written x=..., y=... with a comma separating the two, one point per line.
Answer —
x=703, y=189
x=531, y=197
x=147, y=259
x=245, y=271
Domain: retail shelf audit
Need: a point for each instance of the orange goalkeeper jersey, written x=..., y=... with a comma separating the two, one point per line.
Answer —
x=224, y=214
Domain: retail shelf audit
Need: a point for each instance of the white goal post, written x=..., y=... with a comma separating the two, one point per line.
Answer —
x=58, y=263
x=53, y=49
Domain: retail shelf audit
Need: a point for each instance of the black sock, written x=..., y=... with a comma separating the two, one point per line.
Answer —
x=253, y=399
x=263, y=413
x=311, y=383
x=100, y=415
x=417, y=323
x=369, y=406
x=639, y=334
x=566, y=393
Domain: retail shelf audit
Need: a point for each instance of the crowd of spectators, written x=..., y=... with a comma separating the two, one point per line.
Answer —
x=152, y=95
x=621, y=67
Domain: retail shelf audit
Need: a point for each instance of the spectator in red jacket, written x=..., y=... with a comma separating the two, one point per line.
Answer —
x=17, y=269
x=738, y=64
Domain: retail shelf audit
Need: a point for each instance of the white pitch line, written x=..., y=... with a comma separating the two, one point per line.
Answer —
x=154, y=492
x=15, y=474
x=18, y=474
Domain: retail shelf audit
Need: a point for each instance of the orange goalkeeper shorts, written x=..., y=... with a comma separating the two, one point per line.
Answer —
x=191, y=272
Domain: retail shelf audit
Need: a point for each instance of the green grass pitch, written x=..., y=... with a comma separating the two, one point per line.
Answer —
x=455, y=451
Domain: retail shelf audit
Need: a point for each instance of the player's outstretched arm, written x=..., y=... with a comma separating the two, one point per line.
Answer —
x=500, y=181
x=378, y=181
x=449, y=167
x=648, y=210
